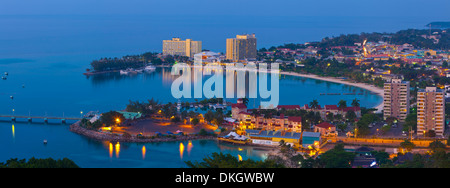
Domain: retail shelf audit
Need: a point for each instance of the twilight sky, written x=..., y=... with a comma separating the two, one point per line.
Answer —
x=433, y=9
x=130, y=26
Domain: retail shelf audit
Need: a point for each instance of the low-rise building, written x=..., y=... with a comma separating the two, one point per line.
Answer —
x=273, y=138
x=325, y=129
x=311, y=139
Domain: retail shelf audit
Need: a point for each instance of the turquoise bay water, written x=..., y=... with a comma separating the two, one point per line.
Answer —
x=57, y=87
x=47, y=55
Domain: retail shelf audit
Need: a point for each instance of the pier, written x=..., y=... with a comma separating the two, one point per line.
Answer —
x=45, y=118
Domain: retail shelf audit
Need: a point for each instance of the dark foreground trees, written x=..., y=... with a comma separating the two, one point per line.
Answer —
x=39, y=163
x=220, y=160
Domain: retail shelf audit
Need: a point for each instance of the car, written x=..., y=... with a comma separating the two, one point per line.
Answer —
x=332, y=133
x=394, y=125
x=404, y=133
x=350, y=134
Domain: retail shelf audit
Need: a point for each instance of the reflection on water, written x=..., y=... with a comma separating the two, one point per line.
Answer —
x=291, y=88
x=99, y=79
x=111, y=150
x=117, y=149
x=240, y=157
x=13, y=132
x=143, y=152
x=189, y=148
x=181, y=150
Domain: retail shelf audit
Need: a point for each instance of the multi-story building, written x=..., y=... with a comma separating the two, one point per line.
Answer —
x=242, y=47
x=187, y=47
x=430, y=111
x=247, y=120
x=396, y=99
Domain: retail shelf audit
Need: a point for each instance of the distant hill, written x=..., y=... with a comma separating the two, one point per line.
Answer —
x=410, y=36
x=439, y=25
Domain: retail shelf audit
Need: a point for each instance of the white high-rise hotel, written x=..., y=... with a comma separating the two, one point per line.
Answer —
x=187, y=47
x=396, y=99
x=430, y=111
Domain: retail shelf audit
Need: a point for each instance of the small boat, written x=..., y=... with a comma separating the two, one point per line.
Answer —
x=45, y=141
x=3, y=77
x=123, y=72
x=6, y=73
x=150, y=68
x=132, y=71
x=11, y=97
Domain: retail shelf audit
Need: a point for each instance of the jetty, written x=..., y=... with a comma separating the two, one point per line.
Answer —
x=45, y=118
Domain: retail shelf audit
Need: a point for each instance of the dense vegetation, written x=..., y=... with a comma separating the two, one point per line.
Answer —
x=39, y=163
x=134, y=61
x=333, y=158
x=107, y=119
x=220, y=160
x=410, y=36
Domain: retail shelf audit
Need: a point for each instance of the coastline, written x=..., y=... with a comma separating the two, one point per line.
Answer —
x=372, y=88
x=99, y=136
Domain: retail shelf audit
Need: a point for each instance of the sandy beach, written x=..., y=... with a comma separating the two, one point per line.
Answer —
x=373, y=89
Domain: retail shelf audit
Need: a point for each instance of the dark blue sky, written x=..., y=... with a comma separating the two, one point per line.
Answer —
x=434, y=9
x=131, y=26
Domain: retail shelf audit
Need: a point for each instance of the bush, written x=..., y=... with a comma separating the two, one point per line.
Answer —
x=202, y=132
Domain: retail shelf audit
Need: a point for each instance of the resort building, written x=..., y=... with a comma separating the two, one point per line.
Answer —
x=311, y=139
x=334, y=109
x=208, y=57
x=243, y=47
x=276, y=123
x=247, y=120
x=273, y=138
x=179, y=47
x=238, y=108
x=325, y=129
x=430, y=111
x=396, y=99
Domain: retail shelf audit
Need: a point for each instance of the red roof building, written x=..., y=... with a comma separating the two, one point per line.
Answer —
x=324, y=128
x=288, y=107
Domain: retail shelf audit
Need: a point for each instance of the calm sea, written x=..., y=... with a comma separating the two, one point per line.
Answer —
x=45, y=57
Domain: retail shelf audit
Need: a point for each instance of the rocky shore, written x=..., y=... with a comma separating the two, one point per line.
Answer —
x=100, y=136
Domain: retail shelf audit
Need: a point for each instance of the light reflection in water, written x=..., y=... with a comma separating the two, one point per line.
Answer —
x=240, y=157
x=181, y=150
x=143, y=152
x=111, y=149
x=13, y=132
x=117, y=149
x=189, y=148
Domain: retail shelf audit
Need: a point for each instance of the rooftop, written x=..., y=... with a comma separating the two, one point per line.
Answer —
x=325, y=125
x=271, y=134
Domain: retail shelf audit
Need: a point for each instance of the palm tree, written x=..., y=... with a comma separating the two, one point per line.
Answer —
x=245, y=101
x=314, y=104
x=342, y=104
x=355, y=103
x=330, y=116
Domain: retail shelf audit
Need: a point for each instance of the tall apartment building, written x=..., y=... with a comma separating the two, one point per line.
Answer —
x=430, y=111
x=242, y=47
x=396, y=99
x=187, y=47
